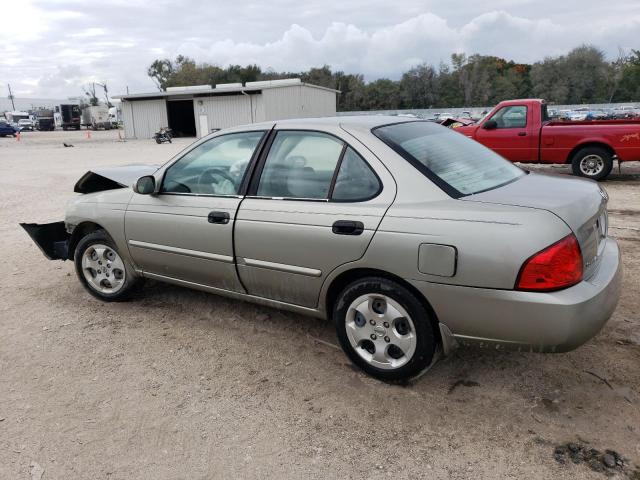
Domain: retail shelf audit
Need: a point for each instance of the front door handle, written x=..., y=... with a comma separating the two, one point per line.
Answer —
x=522, y=134
x=218, y=217
x=347, y=227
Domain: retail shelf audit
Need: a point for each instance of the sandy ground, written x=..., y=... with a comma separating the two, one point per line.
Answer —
x=181, y=384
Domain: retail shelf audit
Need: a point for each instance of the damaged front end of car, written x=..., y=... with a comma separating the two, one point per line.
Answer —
x=53, y=239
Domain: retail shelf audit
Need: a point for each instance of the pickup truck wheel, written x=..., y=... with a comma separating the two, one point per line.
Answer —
x=384, y=329
x=592, y=162
x=101, y=269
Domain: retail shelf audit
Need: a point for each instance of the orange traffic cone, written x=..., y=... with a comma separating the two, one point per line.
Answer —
x=18, y=137
x=88, y=134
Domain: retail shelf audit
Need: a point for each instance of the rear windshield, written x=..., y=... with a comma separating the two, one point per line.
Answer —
x=459, y=165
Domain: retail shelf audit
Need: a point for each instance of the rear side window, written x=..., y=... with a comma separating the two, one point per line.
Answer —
x=300, y=165
x=457, y=164
x=355, y=181
x=544, y=113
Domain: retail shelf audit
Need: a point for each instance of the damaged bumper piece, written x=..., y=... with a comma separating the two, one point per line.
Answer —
x=51, y=238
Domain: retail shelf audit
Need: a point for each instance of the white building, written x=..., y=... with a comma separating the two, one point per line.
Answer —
x=198, y=110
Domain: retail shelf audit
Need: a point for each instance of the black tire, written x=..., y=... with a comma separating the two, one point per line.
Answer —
x=595, y=152
x=158, y=141
x=426, y=340
x=131, y=280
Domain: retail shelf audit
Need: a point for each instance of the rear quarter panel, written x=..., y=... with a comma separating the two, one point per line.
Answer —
x=492, y=241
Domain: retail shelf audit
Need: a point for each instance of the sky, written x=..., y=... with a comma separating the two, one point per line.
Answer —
x=52, y=48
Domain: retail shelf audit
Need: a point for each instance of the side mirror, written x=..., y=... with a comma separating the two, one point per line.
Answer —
x=490, y=125
x=145, y=185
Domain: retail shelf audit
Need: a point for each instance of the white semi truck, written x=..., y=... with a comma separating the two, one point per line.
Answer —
x=96, y=117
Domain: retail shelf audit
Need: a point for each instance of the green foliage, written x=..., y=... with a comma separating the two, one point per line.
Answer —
x=581, y=76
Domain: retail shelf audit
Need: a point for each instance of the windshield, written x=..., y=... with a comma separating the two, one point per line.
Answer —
x=457, y=164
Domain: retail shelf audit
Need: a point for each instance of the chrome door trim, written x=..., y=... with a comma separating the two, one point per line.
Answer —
x=181, y=251
x=237, y=295
x=297, y=199
x=210, y=195
x=281, y=267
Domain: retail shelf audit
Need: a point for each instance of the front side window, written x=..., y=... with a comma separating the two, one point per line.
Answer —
x=514, y=116
x=215, y=167
x=300, y=164
x=459, y=165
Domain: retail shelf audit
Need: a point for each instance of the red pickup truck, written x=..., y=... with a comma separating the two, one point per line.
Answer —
x=520, y=131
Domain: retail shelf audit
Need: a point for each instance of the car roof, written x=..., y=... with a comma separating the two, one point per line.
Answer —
x=363, y=121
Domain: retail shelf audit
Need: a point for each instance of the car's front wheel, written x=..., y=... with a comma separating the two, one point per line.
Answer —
x=384, y=329
x=101, y=269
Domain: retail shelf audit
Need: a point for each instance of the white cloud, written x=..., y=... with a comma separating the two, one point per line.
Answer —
x=50, y=48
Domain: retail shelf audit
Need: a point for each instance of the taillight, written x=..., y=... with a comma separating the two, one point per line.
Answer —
x=557, y=266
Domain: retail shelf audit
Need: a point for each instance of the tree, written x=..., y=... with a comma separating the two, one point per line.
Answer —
x=629, y=83
x=382, y=94
x=161, y=72
x=419, y=87
x=90, y=92
x=581, y=76
x=106, y=94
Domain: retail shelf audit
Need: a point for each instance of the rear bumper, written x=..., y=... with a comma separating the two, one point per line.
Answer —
x=542, y=322
x=51, y=238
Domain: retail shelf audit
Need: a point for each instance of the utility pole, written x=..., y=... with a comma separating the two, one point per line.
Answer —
x=13, y=106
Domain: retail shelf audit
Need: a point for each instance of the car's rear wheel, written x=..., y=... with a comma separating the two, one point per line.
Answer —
x=592, y=162
x=101, y=269
x=384, y=329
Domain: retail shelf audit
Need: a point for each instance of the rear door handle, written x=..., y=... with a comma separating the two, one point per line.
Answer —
x=522, y=134
x=347, y=227
x=218, y=217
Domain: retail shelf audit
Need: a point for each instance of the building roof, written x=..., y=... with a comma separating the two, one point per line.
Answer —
x=222, y=89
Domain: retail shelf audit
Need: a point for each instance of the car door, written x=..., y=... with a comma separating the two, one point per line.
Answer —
x=185, y=231
x=509, y=132
x=314, y=204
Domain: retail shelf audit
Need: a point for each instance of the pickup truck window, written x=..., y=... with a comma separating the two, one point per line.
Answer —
x=544, y=113
x=457, y=164
x=514, y=116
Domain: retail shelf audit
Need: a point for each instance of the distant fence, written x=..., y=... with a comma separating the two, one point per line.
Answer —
x=477, y=111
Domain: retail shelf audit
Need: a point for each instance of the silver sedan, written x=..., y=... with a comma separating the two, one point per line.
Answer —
x=410, y=237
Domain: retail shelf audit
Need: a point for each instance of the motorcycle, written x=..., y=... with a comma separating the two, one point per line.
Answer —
x=163, y=135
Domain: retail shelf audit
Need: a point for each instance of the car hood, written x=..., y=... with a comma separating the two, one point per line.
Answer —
x=580, y=203
x=109, y=178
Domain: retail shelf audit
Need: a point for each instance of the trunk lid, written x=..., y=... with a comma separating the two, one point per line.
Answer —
x=580, y=203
